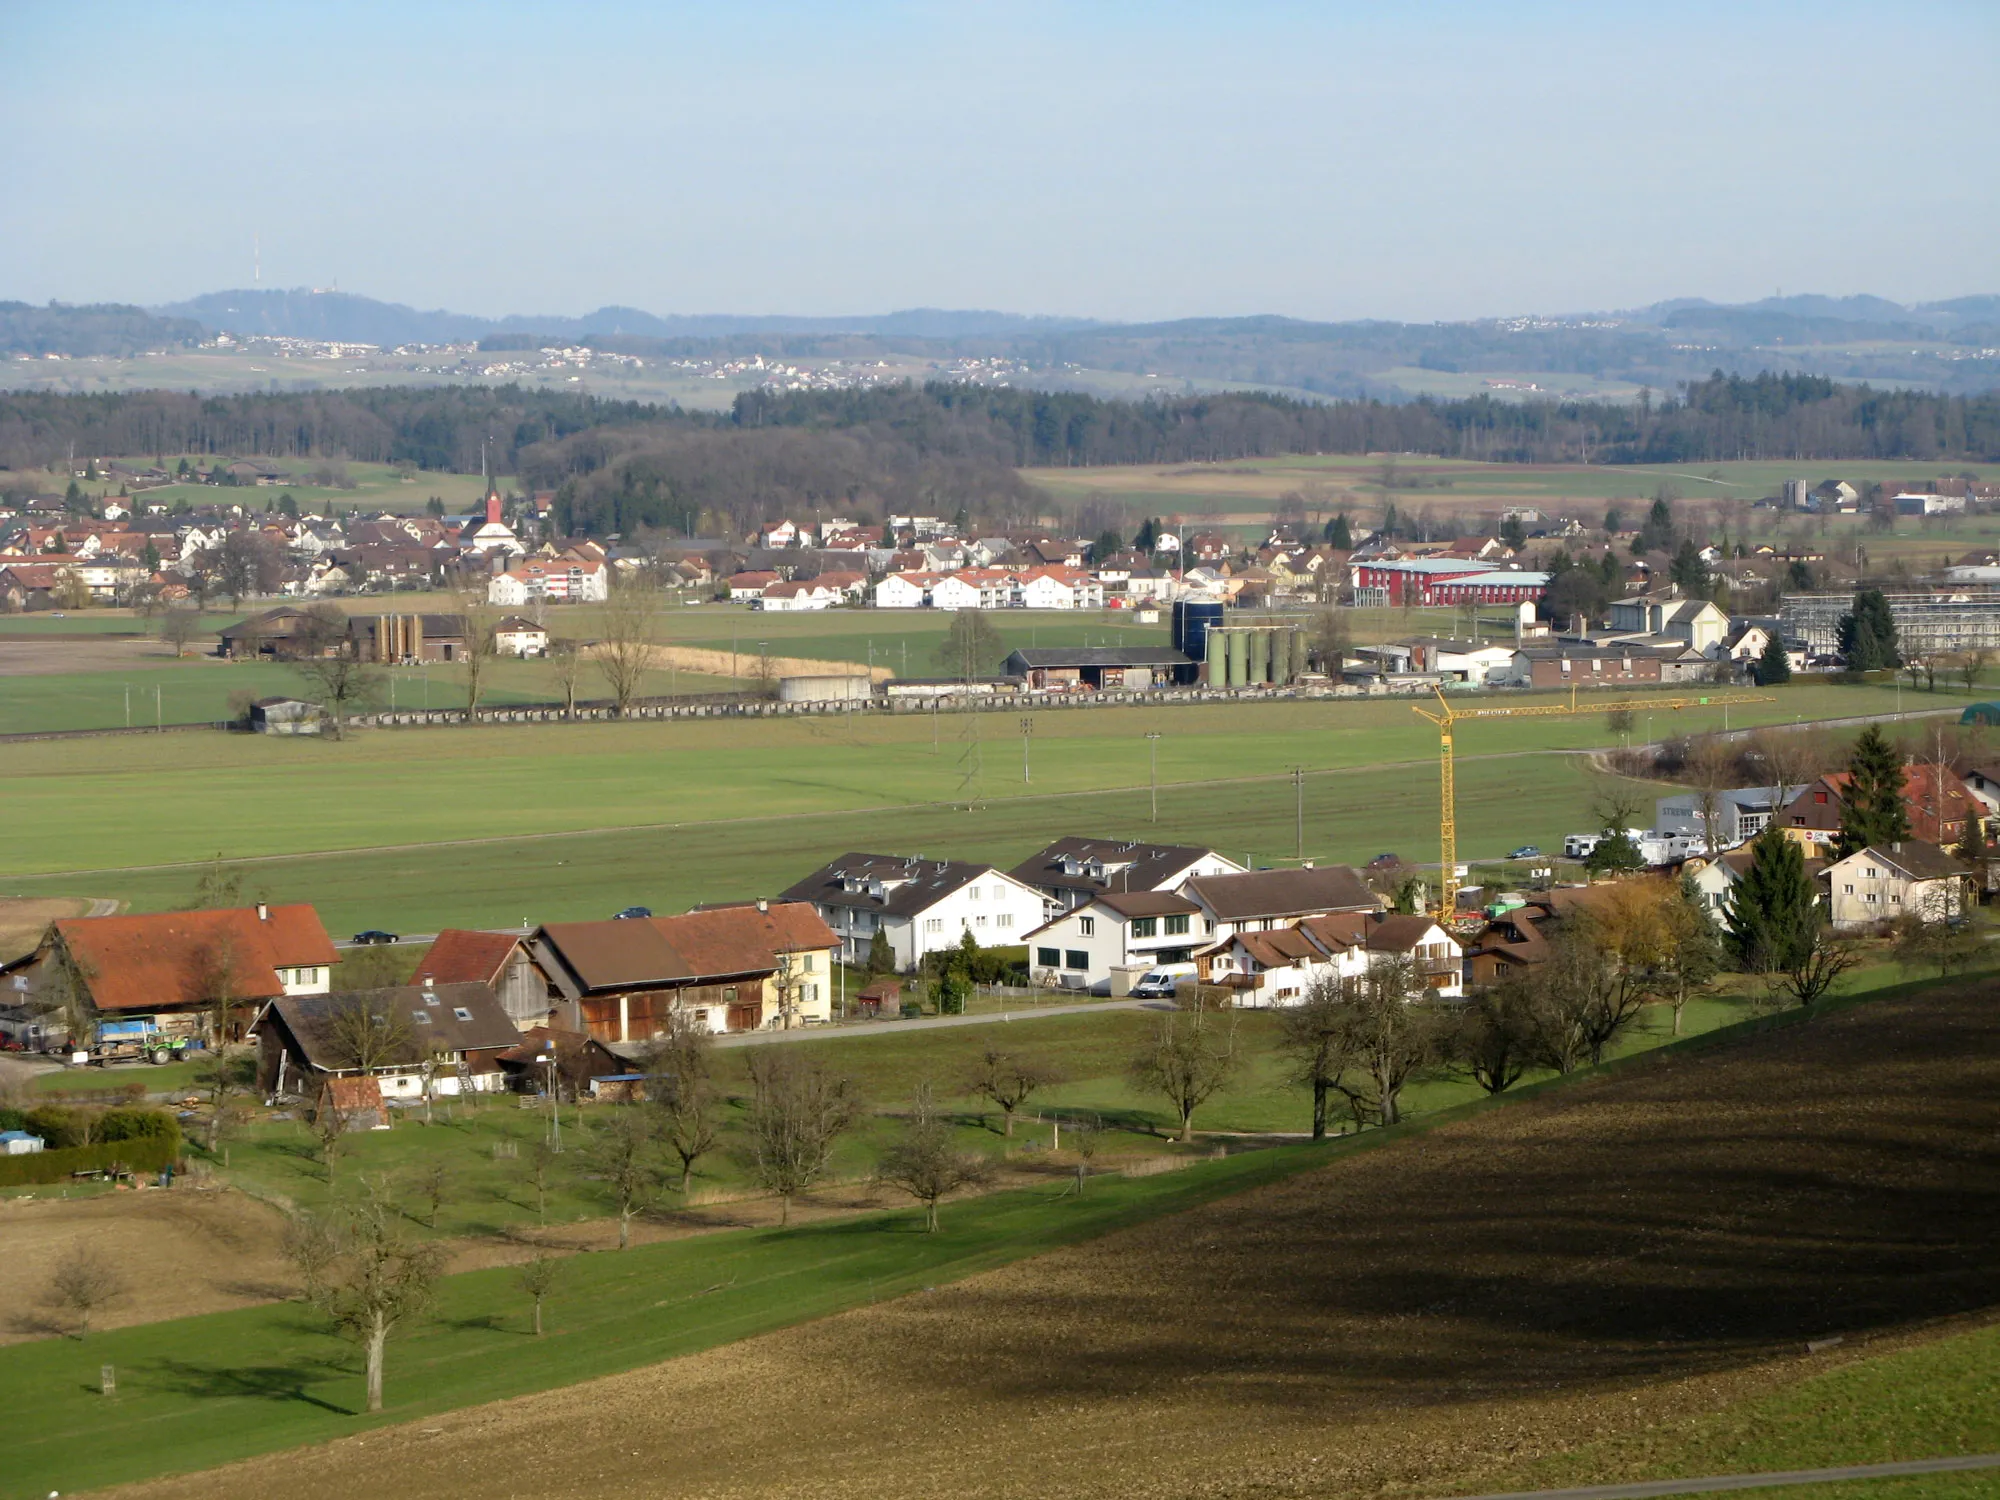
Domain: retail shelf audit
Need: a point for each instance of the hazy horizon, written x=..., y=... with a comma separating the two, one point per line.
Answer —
x=1116, y=162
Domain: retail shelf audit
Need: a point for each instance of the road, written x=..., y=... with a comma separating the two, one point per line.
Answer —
x=1652, y=1487
x=931, y=1023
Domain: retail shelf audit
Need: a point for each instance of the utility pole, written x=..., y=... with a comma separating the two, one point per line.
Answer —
x=1299, y=788
x=159, y=715
x=1027, y=732
x=128, y=705
x=1153, y=770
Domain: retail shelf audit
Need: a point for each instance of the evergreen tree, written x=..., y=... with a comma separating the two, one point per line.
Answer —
x=1774, y=666
x=1339, y=533
x=1799, y=576
x=1391, y=523
x=1108, y=542
x=1614, y=521
x=1148, y=537
x=1609, y=570
x=1657, y=534
x=881, y=957
x=1773, y=912
x=1513, y=533
x=1972, y=845
x=1688, y=571
x=1871, y=807
x=1867, y=634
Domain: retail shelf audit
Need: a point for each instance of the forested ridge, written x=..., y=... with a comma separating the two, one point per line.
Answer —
x=621, y=464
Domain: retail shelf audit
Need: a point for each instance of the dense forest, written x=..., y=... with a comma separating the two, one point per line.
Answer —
x=99, y=328
x=623, y=464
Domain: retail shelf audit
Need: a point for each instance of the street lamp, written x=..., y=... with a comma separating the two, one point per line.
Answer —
x=1027, y=731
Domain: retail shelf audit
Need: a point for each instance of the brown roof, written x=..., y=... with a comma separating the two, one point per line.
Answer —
x=1145, y=903
x=1341, y=929
x=1398, y=933
x=1280, y=949
x=1283, y=893
x=461, y=956
x=669, y=950
x=449, y=1017
x=168, y=958
x=1916, y=859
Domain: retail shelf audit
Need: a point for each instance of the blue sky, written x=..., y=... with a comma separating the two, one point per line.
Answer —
x=1415, y=160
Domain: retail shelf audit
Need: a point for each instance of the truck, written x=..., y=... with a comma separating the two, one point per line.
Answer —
x=133, y=1039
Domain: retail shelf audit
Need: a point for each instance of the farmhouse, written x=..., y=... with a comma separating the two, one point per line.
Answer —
x=1935, y=801
x=1907, y=879
x=920, y=905
x=447, y=1036
x=1071, y=871
x=182, y=968
x=737, y=968
x=498, y=960
x=1087, y=947
x=405, y=639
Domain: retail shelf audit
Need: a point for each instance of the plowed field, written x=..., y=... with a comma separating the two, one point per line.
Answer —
x=1605, y=1258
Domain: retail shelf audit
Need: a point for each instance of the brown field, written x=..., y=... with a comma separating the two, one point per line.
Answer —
x=1417, y=1319
x=23, y=919
x=41, y=656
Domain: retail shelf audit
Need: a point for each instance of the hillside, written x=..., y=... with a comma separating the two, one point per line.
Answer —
x=1626, y=1257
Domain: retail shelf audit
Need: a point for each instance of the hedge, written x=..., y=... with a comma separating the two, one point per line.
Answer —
x=63, y=1126
x=148, y=1154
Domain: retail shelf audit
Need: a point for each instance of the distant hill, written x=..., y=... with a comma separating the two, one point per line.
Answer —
x=111, y=328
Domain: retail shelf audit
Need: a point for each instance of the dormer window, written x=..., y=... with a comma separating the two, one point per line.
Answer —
x=420, y=1017
x=462, y=1013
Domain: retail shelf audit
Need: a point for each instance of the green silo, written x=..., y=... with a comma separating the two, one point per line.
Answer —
x=1260, y=656
x=1239, y=671
x=1301, y=654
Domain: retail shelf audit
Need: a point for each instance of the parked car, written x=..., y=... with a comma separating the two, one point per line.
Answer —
x=1526, y=851
x=1384, y=862
x=375, y=935
x=633, y=911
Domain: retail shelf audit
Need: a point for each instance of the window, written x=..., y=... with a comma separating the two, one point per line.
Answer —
x=1895, y=900
x=1871, y=897
x=729, y=994
x=972, y=893
x=423, y=1017
x=461, y=1012
x=1177, y=926
x=1871, y=873
x=1850, y=890
x=980, y=920
x=1005, y=919
x=1076, y=958
x=1087, y=926
x=1144, y=926
x=1049, y=958
x=933, y=924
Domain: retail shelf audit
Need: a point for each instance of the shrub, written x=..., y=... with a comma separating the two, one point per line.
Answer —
x=58, y=1125
x=13, y=1119
x=137, y=1124
x=148, y=1154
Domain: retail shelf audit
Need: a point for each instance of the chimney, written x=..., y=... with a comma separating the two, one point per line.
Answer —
x=263, y=912
x=427, y=981
x=763, y=904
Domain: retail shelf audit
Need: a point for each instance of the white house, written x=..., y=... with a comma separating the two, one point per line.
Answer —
x=1128, y=930
x=921, y=905
x=1910, y=878
x=1057, y=588
x=515, y=636
x=1696, y=621
x=956, y=591
x=905, y=590
x=1282, y=965
x=778, y=536
x=793, y=597
x=1264, y=900
x=750, y=585
x=1071, y=871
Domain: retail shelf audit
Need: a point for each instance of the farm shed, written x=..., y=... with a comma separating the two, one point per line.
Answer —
x=453, y=1032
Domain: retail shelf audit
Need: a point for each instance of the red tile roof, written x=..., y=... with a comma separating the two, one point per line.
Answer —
x=700, y=945
x=461, y=956
x=165, y=959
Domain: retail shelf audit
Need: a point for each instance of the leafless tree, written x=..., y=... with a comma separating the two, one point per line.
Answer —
x=219, y=885
x=1817, y=968
x=624, y=1154
x=625, y=650
x=1311, y=1037
x=179, y=625
x=224, y=1076
x=799, y=1109
x=1009, y=1080
x=537, y=1278
x=679, y=1090
x=480, y=646
x=312, y=1244
x=380, y=1280
x=1189, y=1055
x=539, y=1166
x=1971, y=666
x=85, y=1280
x=927, y=1163
x=341, y=685
x=566, y=665
x=1596, y=979
x=433, y=1190
x=1085, y=1138
x=1709, y=767
x=1386, y=1034
x=329, y=1125
x=1931, y=940
x=1493, y=1042
x=366, y=1033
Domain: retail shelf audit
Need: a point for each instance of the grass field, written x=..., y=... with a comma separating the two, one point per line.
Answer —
x=1610, y=1279
x=574, y=821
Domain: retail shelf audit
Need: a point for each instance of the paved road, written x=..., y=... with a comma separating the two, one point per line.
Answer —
x=1714, y=1483
x=931, y=1023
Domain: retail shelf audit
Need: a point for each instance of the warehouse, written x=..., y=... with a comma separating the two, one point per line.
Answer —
x=1094, y=668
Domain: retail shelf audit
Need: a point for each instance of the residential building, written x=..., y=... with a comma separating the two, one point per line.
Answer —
x=1264, y=900
x=1071, y=871
x=1583, y=666
x=920, y=905
x=449, y=1039
x=516, y=636
x=805, y=594
x=736, y=968
x=188, y=970
x=1911, y=878
x=905, y=590
x=1935, y=801
x=498, y=960
x=1114, y=936
x=1281, y=966
x=750, y=585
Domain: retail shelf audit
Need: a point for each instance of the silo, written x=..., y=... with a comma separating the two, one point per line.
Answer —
x=1301, y=654
x=1260, y=656
x=1193, y=620
x=1238, y=664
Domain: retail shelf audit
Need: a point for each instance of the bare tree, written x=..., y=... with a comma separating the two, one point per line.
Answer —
x=1312, y=1037
x=625, y=651
x=1085, y=1137
x=365, y=1033
x=341, y=685
x=1709, y=767
x=1817, y=968
x=1689, y=951
x=480, y=647
x=537, y=1278
x=85, y=1280
x=566, y=665
x=1189, y=1056
x=1493, y=1043
x=179, y=625
x=380, y=1280
x=679, y=1090
x=1971, y=666
x=312, y=1244
x=1009, y=1080
x=433, y=1190
x=1596, y=979
x=539, y=1166
x=224, y=1076
x=1927, y=940
x=1387, y=1034
x=624, y=1154
x=329, y=1126
x=927, y=1163
x=799, y=1109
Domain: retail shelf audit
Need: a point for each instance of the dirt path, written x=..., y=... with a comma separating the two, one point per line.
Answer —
x=1424, y=1318
x=744, y=664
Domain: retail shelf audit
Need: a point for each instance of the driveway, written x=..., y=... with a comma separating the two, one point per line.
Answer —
x=933, y=1023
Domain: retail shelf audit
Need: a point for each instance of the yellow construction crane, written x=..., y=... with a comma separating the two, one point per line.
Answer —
x=1449, y=716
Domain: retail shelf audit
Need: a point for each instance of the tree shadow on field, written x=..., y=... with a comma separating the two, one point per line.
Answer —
x=1839, y=1178
x=234, y=1382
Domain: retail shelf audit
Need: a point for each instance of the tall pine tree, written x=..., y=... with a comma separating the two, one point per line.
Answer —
x=1867, y=634
x=1872, y=810
x=1773, y=910
x=1774, y=665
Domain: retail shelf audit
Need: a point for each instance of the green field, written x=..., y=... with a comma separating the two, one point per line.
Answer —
x=492, y=825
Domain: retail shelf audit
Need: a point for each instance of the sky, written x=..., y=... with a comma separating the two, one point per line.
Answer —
x=1414, y=160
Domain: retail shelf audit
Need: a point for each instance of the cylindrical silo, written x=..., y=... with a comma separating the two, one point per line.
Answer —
x=1238, y=666
x=1260, y=657
x=1301, y=654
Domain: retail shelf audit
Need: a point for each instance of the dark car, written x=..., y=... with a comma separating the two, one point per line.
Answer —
x=633, y=911
x=1385, y=862
x=1526, y=851
x=375, y=935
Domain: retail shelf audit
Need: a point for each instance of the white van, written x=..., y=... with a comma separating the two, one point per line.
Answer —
x=1579, y=845
x=1158, y=983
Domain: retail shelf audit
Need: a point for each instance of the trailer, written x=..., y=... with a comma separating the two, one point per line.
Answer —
x=133, y=1039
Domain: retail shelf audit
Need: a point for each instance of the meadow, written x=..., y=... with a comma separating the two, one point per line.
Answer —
x=490, y=825
x=1609, y=1277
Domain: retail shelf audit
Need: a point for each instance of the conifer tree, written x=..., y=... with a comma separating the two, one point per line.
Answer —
x=1867, y=634
x=1774, y=666
x=1871, y=808
x=1773, y=911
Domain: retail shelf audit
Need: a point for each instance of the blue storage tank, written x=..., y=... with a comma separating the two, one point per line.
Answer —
x=1193, y=619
